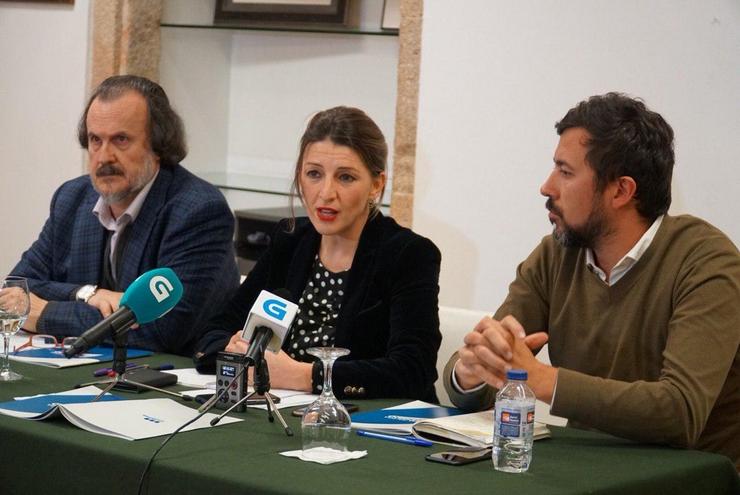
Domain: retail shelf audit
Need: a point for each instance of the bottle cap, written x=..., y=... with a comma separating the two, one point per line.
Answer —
x=516, y=375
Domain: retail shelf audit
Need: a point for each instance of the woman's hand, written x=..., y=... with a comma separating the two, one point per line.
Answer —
x=285, y=372
x=237, y=344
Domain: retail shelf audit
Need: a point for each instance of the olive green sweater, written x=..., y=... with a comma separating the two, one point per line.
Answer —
x=655, y=357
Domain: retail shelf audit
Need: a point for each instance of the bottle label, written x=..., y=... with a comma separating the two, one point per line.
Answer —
x=514, y=423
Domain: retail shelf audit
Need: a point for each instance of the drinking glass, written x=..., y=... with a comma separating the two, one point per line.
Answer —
x=326, y=422
x=14, y=307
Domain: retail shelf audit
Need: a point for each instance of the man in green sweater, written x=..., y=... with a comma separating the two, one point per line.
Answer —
x=641, y=309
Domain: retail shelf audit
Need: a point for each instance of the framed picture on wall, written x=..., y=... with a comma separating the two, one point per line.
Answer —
x=70, y=2
x=258, y=12
x=391, y=15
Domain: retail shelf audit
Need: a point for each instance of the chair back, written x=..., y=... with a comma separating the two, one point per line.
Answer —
x=454, y=323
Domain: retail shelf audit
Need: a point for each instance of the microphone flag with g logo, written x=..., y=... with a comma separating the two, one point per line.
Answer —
x=153, y=294
x=149, y=297
x=276, y=308
x=272, y=311
x=160, y=288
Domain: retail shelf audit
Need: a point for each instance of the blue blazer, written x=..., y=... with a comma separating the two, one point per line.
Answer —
x=184, y=223
x=389, y=316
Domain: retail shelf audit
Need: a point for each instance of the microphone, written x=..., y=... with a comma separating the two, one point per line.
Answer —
x=149, y=297
x=268, y=323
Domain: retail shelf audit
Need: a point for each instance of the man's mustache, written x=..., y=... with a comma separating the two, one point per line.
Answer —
x=550, y=205
x=108, y=170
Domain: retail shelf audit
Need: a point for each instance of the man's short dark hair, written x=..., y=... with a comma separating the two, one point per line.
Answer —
x=166, y=131
x=627, y=139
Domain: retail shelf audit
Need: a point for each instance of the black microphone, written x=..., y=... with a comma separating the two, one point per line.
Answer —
x=257, y=346
x=268, y=323
x=148, y=297
x=120, y=319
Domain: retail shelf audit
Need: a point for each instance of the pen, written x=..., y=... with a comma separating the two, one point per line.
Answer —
x=409, y=440
x=159, y=367
x=105, y=371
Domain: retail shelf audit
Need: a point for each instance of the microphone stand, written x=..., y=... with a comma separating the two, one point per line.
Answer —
x=120, y=340
x=261, y=389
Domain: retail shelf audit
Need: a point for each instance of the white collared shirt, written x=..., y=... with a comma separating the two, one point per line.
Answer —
x=116, y=225
x=629, y=259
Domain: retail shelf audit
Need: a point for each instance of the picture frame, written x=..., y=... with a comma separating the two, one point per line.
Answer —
x=261, y=12
x=391, y=15
x=65, y=2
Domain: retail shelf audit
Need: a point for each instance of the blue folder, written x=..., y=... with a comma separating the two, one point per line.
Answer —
x=381, y=418
x=46, y=406
x=101, y=353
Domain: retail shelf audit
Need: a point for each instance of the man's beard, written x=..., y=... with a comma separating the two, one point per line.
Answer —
x=578, y=237
x=137, y=182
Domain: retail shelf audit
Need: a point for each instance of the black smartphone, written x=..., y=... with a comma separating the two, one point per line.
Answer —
x=460, y=457
x=147, y=376
x=349, y=407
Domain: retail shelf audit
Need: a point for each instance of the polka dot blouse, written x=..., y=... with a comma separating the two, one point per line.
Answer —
x=318, y=310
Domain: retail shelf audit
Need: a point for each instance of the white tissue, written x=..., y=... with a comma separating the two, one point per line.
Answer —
x=324, y=455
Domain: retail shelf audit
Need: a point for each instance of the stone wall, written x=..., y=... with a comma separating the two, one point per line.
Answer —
x=407, y=105
x=125, y=39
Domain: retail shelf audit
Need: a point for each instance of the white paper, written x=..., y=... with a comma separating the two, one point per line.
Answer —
x=89, y=390
x=289, y=398
x=189, y=377
x=60, y=362
x=137, y=419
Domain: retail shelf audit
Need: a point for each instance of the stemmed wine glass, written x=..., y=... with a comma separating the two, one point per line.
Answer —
x=14, y=307
x=326, y=422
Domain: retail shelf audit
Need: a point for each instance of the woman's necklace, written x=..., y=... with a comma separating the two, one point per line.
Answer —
x=337, y=261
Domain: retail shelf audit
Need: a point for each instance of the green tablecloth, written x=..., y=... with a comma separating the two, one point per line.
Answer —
x=55, y=457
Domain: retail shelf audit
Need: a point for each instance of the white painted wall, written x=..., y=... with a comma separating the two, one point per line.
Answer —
x=195, y=72
x=246, y=96
x=495, y=77
x=279, y=80
x=43, y=66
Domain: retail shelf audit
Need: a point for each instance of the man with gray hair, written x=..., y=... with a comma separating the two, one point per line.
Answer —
x=136, y=210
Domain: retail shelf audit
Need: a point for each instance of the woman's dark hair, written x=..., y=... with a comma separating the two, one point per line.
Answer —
x=627, y=139
x=166, y=131
x=350, y=127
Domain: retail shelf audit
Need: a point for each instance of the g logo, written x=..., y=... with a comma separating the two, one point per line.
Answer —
x=160, y=288
x=275, y=308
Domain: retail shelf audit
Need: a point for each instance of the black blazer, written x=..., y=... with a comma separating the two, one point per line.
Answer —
x=389, y=316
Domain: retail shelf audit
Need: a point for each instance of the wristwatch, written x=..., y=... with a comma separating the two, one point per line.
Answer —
x=85, y=292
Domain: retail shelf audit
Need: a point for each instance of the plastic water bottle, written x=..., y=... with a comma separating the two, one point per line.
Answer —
x=513, y=424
